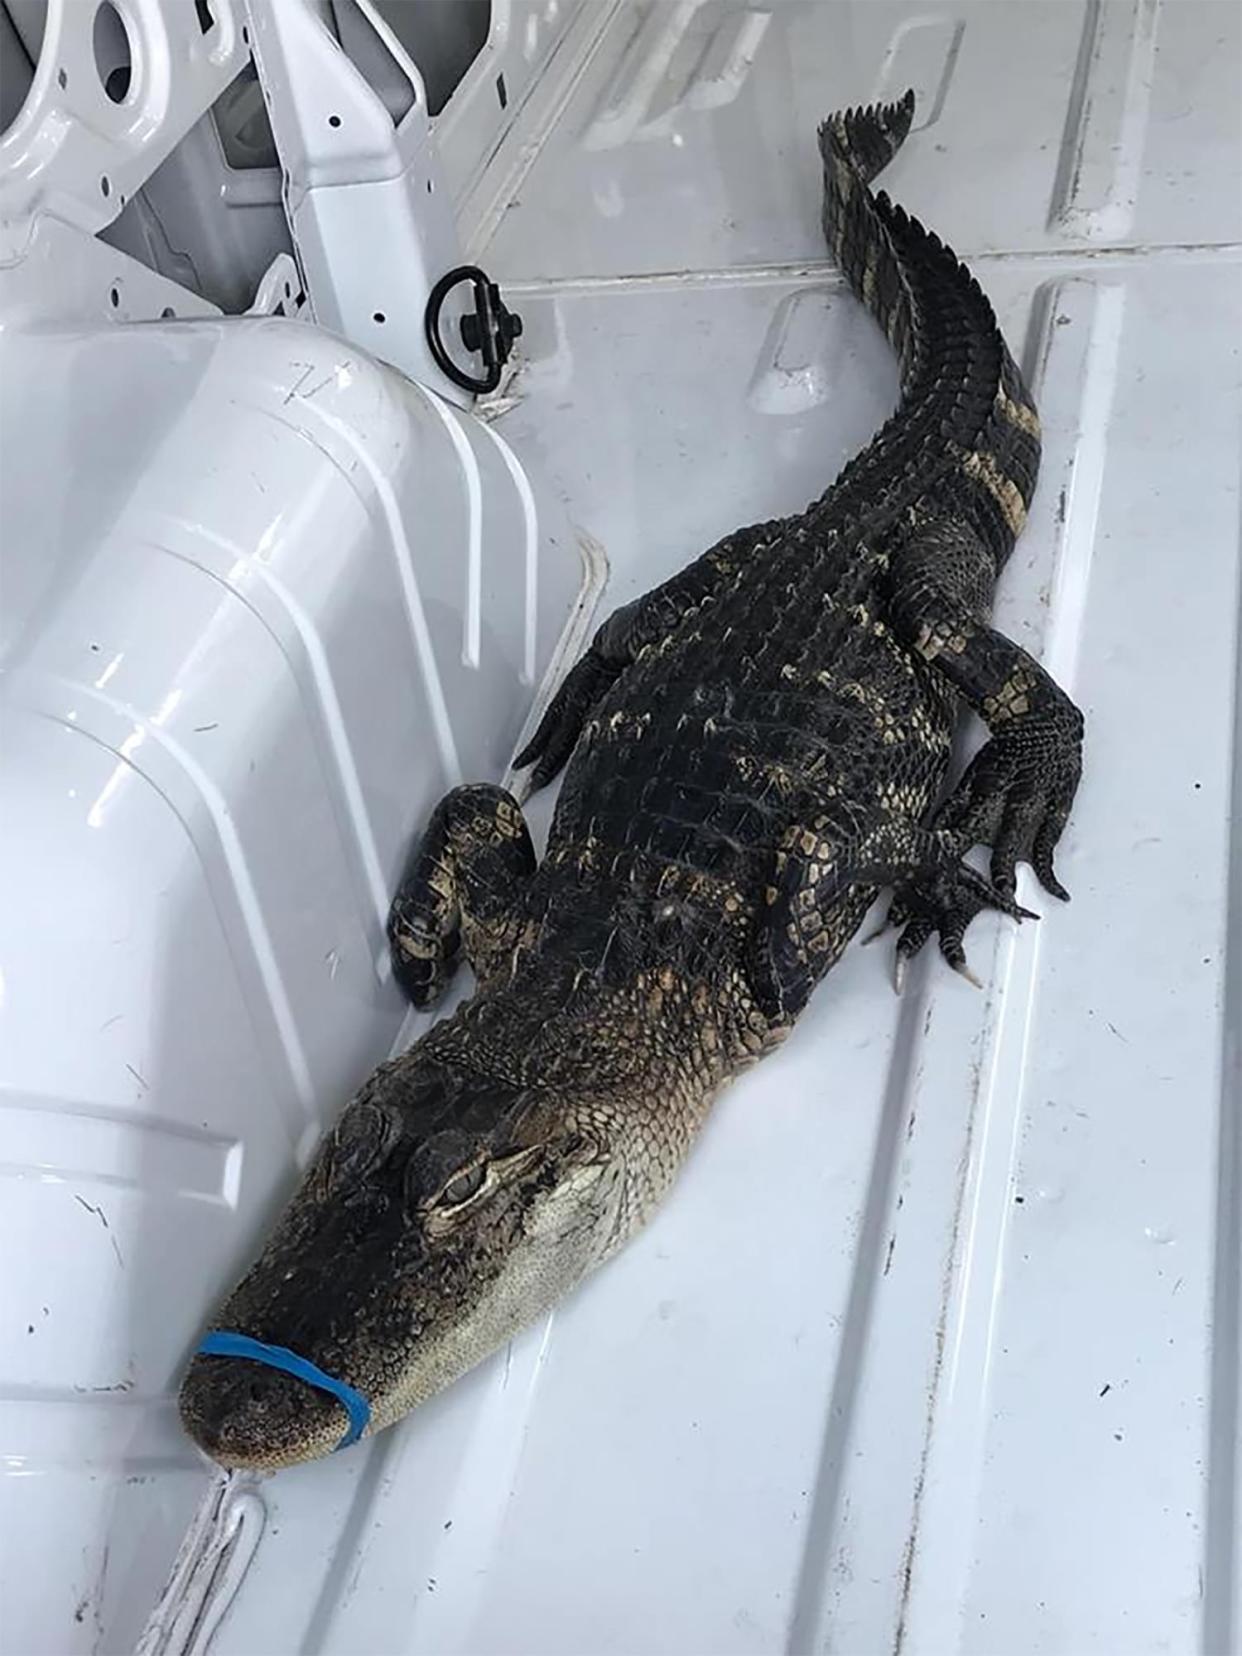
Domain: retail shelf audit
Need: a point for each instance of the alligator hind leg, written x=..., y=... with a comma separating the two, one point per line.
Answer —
x=461, y=889
x=1016, y=793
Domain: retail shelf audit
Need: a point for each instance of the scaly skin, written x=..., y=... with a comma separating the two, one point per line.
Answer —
x=754, y=749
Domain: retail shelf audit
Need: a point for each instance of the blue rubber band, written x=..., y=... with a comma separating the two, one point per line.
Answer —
x=278, y=1357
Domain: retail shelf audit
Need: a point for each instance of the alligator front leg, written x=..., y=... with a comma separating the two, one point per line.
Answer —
x=461, y=889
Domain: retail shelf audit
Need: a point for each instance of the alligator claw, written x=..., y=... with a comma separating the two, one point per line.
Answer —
x=876, y=932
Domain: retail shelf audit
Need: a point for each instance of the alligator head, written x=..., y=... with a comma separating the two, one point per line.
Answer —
x=443, y=1212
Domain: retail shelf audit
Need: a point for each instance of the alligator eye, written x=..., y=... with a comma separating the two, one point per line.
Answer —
x=462, y=1188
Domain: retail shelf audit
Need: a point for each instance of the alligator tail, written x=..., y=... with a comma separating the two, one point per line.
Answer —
x=961, y=392
x=867, y=139
x=856, y=144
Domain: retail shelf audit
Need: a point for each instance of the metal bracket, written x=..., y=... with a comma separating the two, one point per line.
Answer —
x=115, y=89
x=370, y=216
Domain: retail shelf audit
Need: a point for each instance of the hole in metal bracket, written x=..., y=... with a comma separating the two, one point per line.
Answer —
x=334, y=120
x=378, y=316
x=502, y=92
x=114, y=58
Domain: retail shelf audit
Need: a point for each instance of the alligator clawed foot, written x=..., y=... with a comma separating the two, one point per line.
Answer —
x=1016, y=794
x=943, y=902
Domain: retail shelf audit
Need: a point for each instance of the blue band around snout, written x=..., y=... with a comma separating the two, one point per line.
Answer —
x=278, y=1357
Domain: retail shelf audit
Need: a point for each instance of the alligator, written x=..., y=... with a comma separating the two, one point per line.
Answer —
x=752, y=753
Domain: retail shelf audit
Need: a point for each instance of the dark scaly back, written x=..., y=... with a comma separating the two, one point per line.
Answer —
x=965, y=438
x=718, y=734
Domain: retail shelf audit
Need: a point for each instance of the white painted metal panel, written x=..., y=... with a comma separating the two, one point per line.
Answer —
x=688, y=143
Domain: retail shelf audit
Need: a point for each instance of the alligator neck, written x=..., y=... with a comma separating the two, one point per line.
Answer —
x=657, y=1035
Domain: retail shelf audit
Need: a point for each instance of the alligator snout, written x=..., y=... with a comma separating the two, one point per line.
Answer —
x=246, y=1415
